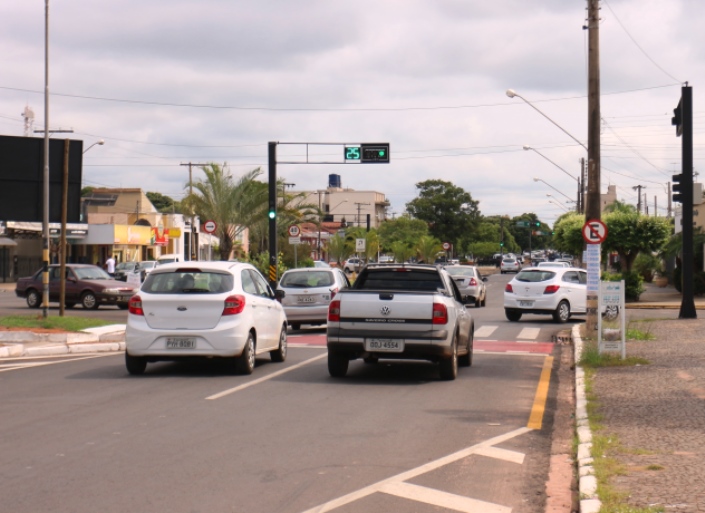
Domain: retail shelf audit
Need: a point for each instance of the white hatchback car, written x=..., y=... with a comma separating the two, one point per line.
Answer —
x=509, y=265
x=205, y=309
x=558, y=291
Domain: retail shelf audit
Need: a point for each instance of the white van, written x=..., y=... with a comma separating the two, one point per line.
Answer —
x=169, y=258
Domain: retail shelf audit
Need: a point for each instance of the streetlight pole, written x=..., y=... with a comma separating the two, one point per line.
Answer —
x=580, y=192
x=560, y=205
x=45, y=220
x=100, y=143
x=190, y=193
x=552, y=187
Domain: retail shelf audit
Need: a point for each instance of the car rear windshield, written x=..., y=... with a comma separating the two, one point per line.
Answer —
x=91, y=273
x=535, y=275
x=196, y=282
x=399, y=279
x=307, y=279
x=461, y=271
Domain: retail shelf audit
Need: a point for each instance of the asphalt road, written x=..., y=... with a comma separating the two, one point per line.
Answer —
x=79, y=434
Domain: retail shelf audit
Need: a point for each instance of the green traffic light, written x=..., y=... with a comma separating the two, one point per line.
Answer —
x=272, y=214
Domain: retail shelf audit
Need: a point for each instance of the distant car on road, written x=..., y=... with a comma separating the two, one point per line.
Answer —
x=124, y=268
x=509, y=265
x=352, y=265
x=205, y=309
x=86, y=284
x=470, y=282
x=555, y=263
x=146, y=267
x=309, y=291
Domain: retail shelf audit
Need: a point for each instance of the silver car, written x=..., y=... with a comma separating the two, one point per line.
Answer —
x=470, y=282
x=309, y=292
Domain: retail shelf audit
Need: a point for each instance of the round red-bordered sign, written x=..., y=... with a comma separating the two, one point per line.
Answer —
x=446, y=246
x=209, y=227
x=594, y=231
x=294, y=230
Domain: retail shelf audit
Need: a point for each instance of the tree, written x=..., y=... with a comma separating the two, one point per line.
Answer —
x=402, y=252
x=524, y=234
x=339, y=249
x=568, y=235
x=629, y=233
x=451, y=213
x=403, y=229
x=164, y=204
x=232, y=205
x=427, y=248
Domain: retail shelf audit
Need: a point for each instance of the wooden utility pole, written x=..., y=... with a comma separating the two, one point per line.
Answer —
x=638, y=188
x=593, y=204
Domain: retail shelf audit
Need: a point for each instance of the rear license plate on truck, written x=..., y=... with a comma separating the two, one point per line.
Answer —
x=381, y=345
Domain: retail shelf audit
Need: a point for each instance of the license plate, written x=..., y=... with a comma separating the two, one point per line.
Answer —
x=384, y=345
x=305, y=299
x=180, y=343
x=526, y=303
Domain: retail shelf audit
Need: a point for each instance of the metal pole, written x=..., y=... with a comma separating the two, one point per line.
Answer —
x=687, y=310
x=273, y=271
x=62, y=243
x=45, y=220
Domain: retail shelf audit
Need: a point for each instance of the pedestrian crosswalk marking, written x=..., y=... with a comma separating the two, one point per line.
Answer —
x=484, y=331
x=442, y=499
x=529, y=333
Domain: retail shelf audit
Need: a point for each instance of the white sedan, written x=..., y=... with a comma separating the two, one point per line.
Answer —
x=558, y=291
x=205, y=309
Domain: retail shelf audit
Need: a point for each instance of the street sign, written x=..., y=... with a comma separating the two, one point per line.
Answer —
x=209, y=227
x=294, y=230
x=371, y=153
x=594, y=231
x=446, y=246
x=524, y=224
x=294, y=240
x=359, y=245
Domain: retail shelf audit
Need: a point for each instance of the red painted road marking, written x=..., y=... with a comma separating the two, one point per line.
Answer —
x=499, y=346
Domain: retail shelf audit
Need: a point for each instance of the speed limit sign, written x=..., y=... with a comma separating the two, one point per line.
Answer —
x=294, y=231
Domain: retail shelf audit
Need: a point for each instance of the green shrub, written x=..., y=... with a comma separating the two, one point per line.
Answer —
x=647, y=265
x=633, y=283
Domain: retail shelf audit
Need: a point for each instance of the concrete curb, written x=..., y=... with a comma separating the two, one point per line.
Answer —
x=14, y=344
x=587, y=482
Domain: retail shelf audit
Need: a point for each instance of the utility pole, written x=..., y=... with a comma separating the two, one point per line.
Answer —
x=638, y=188
x=190, y=193
x=593, y=207
x=359, y=206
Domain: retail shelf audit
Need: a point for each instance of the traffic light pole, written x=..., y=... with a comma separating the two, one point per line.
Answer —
x=683, y=187
x=272, y=153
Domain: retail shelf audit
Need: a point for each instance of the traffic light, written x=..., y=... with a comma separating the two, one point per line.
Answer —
x=501, y=243
x=677, y=119
x=538, y=224
x=679, y=188
x=272, y=213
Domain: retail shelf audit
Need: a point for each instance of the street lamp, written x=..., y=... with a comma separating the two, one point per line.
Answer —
x=99, y=143
x=552, y=187
x=580, y=188
x=553, y=197
x=558, y=204
x=512, y=93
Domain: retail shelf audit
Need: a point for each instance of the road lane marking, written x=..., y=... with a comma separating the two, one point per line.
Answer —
x=442, y=499
x=536, y=417
x=484, y=331
x=502, y=454
x=265, y=378
x=28, y=365
x=530, y=333
x=410, y=474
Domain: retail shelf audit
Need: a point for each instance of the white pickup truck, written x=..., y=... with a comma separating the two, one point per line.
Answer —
x=400, y=311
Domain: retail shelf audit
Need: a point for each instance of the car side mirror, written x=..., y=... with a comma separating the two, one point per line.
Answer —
x=279, y=294
x=484, y=278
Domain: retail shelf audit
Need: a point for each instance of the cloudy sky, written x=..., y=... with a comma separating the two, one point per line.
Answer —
x=165, y=83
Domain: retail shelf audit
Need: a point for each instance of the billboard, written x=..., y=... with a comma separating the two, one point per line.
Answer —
x=22, y=179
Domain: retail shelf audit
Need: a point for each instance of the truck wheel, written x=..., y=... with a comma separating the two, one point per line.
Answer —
x=512, y=315
x=337, y=364
x=449, y=366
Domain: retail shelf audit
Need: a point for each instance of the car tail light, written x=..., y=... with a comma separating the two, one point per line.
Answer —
x=551, y=289
x=134, y=306
x=473, y=282
x=333, y=292
x=334, y=311
x=234, y=305
x=508, y=288
x=440, y=313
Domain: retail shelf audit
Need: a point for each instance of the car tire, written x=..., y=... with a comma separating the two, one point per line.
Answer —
x=34, y=298
x=466, y=359
x=295, y=326
x=448, y=367
x=245, y=363
x=279, y=354
x=562, y=312
x=512, y=314
x=478, y=303
x=484, y=301
x=337, y=364
x=69, y=305
x=136, y=365
x=89, y=301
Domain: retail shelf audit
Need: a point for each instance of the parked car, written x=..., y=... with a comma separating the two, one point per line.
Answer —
x=470, y=282
x=309, y=291
x=319, y=264
x=205, y=309
x=352, y=265
x=123, y=269
x=86, y=284
x=509, y=265
x=146, y=267
x=555, y=263
x=168, y=258
x=557, y=291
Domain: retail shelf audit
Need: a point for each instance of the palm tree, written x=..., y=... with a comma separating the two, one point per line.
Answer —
x=232, y=205
x=427, y=248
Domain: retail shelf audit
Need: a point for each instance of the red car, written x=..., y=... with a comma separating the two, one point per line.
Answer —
x=86, y=284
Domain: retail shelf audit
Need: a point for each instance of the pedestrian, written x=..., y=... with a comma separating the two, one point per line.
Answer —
x=110, y=265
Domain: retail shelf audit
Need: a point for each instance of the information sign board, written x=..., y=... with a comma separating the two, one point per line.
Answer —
x=593, y=268
x=611, y=323
x=359, y=245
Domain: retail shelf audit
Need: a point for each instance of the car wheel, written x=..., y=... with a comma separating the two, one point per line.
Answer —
x=89, y=301
x=279, y=354
x=295, y=326
x=245, y=363
x=512, y=315
x=136, y=365
x=562, y=312
x=337, y=364
x=484, y=300
x=448, y=367
x=478, y=302
x=466, y=359
x=34, y=298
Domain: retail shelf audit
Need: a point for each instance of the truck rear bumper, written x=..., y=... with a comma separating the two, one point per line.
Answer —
x=432, y=345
